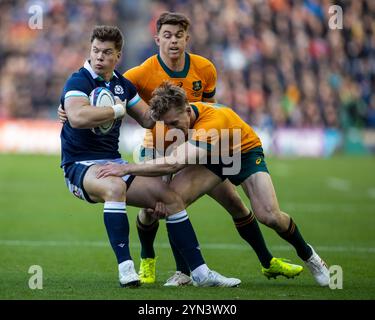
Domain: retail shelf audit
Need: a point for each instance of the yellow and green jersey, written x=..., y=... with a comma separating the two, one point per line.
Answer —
x=215, y=122
x=198, y=79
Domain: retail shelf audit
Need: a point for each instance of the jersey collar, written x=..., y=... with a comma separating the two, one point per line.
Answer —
x=176, y=74
x=94, y=75
x=195, y=109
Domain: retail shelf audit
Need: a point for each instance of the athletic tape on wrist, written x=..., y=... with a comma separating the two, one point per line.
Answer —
x=119, y=110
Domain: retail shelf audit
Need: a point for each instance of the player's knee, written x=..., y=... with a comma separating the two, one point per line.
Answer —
x=145, y=218
x=187, y=199
x=173, y=201
x=142, y=212
x=115, y=190
x=268, y=216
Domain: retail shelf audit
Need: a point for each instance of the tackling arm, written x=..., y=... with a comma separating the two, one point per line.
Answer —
x=184, y=155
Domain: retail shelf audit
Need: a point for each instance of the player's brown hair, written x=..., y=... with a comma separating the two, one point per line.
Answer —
x=166, y=97
x=173, y=18
x=108, y=33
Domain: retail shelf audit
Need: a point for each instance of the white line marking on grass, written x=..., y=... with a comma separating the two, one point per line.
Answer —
x=313, y=207
x=338, y=184
x=208, y=246
x=326, y=207
x=371, y=192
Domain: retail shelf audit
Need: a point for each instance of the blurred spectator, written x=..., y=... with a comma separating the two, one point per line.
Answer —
x=296, y=71
x=34, y=63
x=279, y=64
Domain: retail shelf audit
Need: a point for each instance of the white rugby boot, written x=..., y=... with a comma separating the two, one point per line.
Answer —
x=215, y=279
x=178, y=279
x=318, y=268
x=127, y=275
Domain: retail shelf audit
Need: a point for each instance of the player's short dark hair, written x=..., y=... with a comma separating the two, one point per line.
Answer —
x=173, y=18
x=166, y=97
x=108, y=33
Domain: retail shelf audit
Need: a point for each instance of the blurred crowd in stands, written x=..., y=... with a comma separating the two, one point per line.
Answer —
x=279, y=64
x=35, y=63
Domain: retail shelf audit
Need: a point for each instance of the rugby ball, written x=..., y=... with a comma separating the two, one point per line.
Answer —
x=102, y=97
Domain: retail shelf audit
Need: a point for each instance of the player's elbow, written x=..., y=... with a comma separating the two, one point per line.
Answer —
x=77, y=123
x=79, y=120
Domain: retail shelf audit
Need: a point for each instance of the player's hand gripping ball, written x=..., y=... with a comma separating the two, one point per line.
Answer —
x=102, y=97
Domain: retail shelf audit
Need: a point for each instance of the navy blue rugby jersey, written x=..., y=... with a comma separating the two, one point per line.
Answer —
x=83, y=144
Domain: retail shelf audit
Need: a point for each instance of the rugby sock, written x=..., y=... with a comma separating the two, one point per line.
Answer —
x=293, y=236
x=181, y=264
x=146, y=235
x=182, y=235
x=117, y=225
x=249, y=230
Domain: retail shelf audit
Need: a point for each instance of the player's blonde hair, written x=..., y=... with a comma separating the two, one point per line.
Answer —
x=166, y=97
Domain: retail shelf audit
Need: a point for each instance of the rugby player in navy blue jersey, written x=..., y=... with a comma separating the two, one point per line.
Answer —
x=83, y=152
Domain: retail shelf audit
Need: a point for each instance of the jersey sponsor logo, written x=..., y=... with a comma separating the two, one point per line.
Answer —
x=197, y=85
x=258, y=161
x=119, y=89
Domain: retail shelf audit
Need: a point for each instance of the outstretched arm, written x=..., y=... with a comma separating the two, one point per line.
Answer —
x=184, y=155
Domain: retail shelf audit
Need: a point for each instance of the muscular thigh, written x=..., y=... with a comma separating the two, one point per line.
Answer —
x=103, y=189
x=226, y=194
x=194, y=181
x=260, y=190
x=145, y=191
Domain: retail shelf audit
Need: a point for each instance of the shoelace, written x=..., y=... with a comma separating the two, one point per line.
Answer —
x=315, y=264
x=213, y=275
x=146, y=270
x=283, y=260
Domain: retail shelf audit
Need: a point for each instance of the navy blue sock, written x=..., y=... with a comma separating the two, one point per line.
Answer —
x=181, y=264
x=182, y=235
x=117, y=225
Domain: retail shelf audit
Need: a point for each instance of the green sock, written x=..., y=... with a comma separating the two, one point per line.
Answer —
x=249, y=230
x=294, y=237
x=147, y=234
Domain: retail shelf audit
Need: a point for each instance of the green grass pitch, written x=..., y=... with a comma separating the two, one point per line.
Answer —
x=41, y=223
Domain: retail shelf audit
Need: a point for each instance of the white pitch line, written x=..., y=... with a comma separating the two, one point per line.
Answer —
x=313, y=207
x=371, y=192
x=338, y=184
x=325, y=207
x=208, y=246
